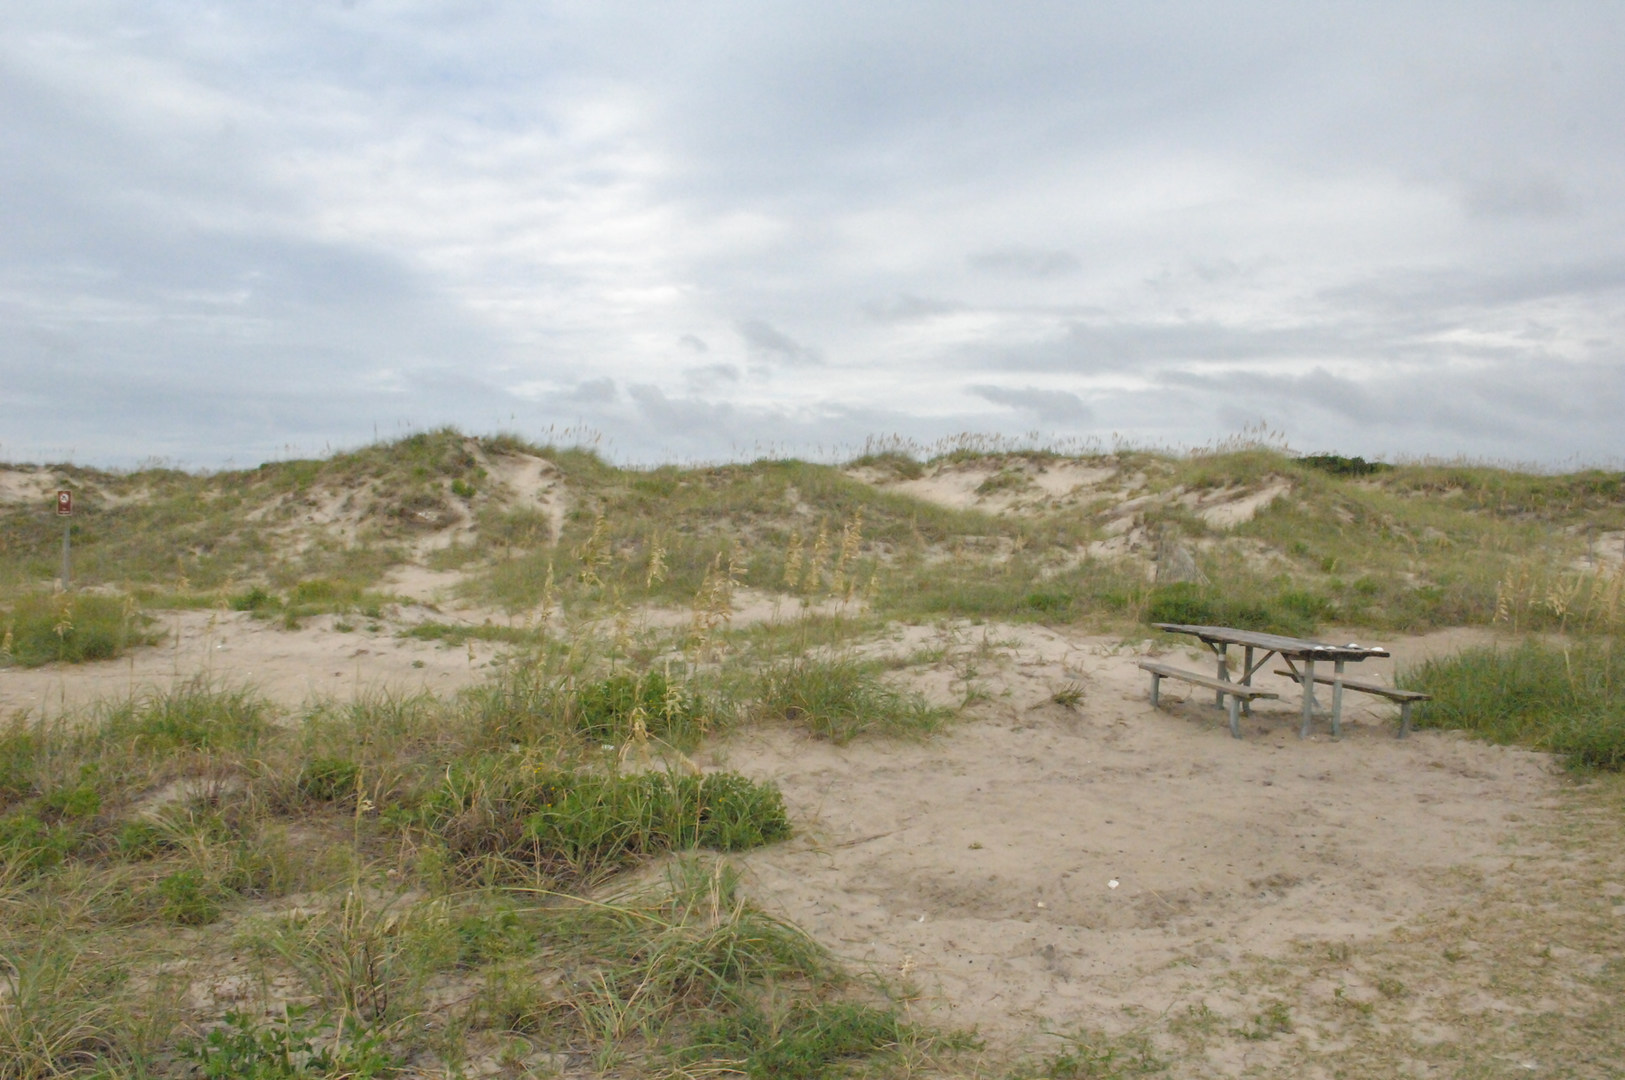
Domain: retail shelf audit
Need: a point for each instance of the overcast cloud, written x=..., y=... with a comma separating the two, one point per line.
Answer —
x=232, y=232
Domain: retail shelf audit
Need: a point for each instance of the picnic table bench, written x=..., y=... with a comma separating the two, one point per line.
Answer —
x=1404, y=698
x=1236, y=692
x=1292, y=651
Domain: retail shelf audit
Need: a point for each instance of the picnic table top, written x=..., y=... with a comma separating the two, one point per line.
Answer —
x=1293, y=648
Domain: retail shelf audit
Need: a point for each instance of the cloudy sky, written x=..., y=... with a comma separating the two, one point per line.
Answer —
x=237, y=231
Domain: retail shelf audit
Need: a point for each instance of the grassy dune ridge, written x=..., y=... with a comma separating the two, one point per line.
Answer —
x=532, y=876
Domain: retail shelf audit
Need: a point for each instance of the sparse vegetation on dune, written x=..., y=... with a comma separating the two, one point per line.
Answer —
x=1397, y=547
x=536, y=873
x=426, y=857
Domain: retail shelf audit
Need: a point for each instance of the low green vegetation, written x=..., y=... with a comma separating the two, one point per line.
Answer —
x=1568, y=699
x=429, y=842
x=841, y=698
x=1348, y=542
x=41, y=628
x=504, y=818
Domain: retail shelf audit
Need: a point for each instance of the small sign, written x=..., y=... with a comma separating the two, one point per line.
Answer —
x=64, y=503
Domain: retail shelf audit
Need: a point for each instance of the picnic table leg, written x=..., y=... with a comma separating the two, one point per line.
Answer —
x=1156, y=681
x=1224, y=674
x=1247, y=679
x=1235, y=717
x=1337, y=702
x=1404, y=718
x=1308, y=697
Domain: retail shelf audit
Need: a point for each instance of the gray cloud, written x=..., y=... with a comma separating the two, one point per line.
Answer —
x=765, y=342
x=595, y=391
x=711, y=377
x=1050, y=406
x=1025, y=262
x=909, y=308
x=694, y=344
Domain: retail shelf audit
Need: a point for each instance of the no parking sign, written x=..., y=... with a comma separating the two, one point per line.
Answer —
x=64, y=503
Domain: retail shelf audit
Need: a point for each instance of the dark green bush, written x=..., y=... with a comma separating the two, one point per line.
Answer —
x=189, y=898
x=1338, y=465
x=286, y=1048
x=139, y=840
x=33, y=846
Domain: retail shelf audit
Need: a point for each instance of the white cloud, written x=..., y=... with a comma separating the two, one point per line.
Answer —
x=238, y=227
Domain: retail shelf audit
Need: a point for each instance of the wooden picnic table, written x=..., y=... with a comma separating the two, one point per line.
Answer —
x=1292, y=650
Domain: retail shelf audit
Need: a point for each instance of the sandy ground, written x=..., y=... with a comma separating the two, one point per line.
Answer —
x=1043, y=867
x=232, y=648
x=1035, y=867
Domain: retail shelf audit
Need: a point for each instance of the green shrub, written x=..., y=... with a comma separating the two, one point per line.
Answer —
x=285, y=1048
x=1569, y=700
x=1338, y=465
x=320, y=592
x=255, y=599
x=1293, y=612
x=139, y=840
x=895, y=462
x=19, y=752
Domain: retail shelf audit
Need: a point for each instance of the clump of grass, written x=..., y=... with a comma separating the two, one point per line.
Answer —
x=55, y=1016
x=254, y=599
x=197, y=715
x=839, y=699
x=1007, y=479
x=807, y=1041
x=70, y=628
x=894, y=462
x=367, y=956
x=612, y=709
x=1566, y=699
x=545, y=701
x=714, y=986
x=504, y=816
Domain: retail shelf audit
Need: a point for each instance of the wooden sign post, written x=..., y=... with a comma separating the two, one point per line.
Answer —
x=64, y=510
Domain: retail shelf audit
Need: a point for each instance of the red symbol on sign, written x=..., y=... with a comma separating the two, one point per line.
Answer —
x=64, y=503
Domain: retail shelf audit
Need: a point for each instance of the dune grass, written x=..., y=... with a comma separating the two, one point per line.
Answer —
x=1568, y=699
x=41, y=628
x=430, y=842
x=840, y=698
